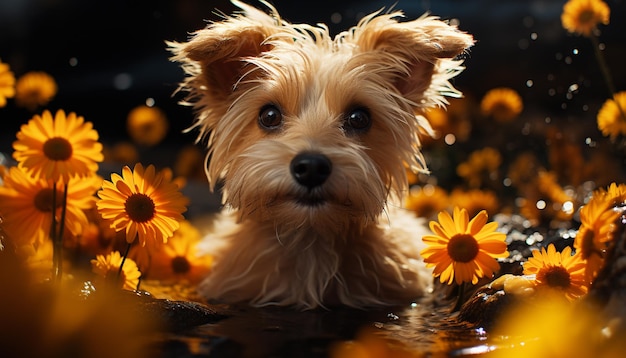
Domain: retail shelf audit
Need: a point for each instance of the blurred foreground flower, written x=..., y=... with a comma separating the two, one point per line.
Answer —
x=502, y=104
x=34, y=89
x=462, y=250
x=58, y=148
x=611, y=116
x=583, y=16
x=558, y=271
x=54, y=321
x=7, y=84
x=371, y=344
x=26, y=205
x=144, y=203
x=550, y=328
x=110, y=269
x=147, y=125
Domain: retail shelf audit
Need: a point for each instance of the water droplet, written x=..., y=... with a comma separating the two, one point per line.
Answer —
x=569, y=95
x=575, y=51
x=548, y=120
x=507, y=182
x=529, y=83
x=590, y=142
x=564, y=105
x=573, y=87
x=150, y=102
x=551, y=92
x=550, y=77
x=558, y=56
x=540, y=204
x=533, y=36
x=585, y=107
x=73, y=61
x=602, y=46
x=335, y=18
x=568, y=60
x=449, y=139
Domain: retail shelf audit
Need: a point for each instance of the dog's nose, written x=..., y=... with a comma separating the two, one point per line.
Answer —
x=310, y=169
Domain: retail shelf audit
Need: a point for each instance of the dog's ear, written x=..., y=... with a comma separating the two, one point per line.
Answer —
x=421, y=53
x=214, y=56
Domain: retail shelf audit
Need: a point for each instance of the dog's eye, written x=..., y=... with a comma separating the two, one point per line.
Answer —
x=270, y=117
x=358, y=120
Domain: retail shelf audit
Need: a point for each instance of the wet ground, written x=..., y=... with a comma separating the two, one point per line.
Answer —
x=421, y=329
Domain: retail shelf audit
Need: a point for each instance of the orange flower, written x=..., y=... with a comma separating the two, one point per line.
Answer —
x=481, y=165
x=503, y=104
x=583, y=16
x=147, y=125
x=58, y=148
x=462, y=250
x=26, y=205
x=427, y=201
x=178, y=259
x=107, y=268
x=558, y=271
x=144, y=203
x=598, y=225
x=7, y=84
x=611, y=116
x=34, y=89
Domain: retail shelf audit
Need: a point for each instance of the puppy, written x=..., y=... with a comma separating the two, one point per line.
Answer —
x=310, y=137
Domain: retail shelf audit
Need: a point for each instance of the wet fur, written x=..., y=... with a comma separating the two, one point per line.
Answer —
x=357, y=248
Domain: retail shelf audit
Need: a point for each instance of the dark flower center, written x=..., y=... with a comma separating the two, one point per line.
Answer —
x=554, y=276
x=180, y=265
x=57, y=148
x=462, y=248
x=587, y=16
x=43, y=200
x=139, y=207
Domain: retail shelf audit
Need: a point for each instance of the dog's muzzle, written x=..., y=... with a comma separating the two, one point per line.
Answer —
x=310, y=169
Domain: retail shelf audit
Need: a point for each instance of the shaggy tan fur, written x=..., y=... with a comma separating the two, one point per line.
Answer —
x=344, y=241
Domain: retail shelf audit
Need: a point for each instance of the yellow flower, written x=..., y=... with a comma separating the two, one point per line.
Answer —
x=58, y=148
x=547, y=184
x=558, y=271
x=482, y=164
x=34, y=89
x=147, y=125
x=462, y=250
x=144, y=203
x=531, y=330
x=427, y=200
x=583, y=16
x=598, y=225
x=7, y=84
x=124, y=153
x=611, y=120
x=107, y=267
x=503, y=104
x=26, y=205
x=475, y=200
x=179, y=257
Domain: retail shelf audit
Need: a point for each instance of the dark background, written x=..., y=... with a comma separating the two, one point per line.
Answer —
x=115, y=39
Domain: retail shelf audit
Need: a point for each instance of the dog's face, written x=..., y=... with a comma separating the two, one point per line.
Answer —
x=308, y=130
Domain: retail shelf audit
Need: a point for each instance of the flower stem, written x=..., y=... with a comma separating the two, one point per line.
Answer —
x=119, y=272
x=57, y=243
x=606, y=73
x=459, y=300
